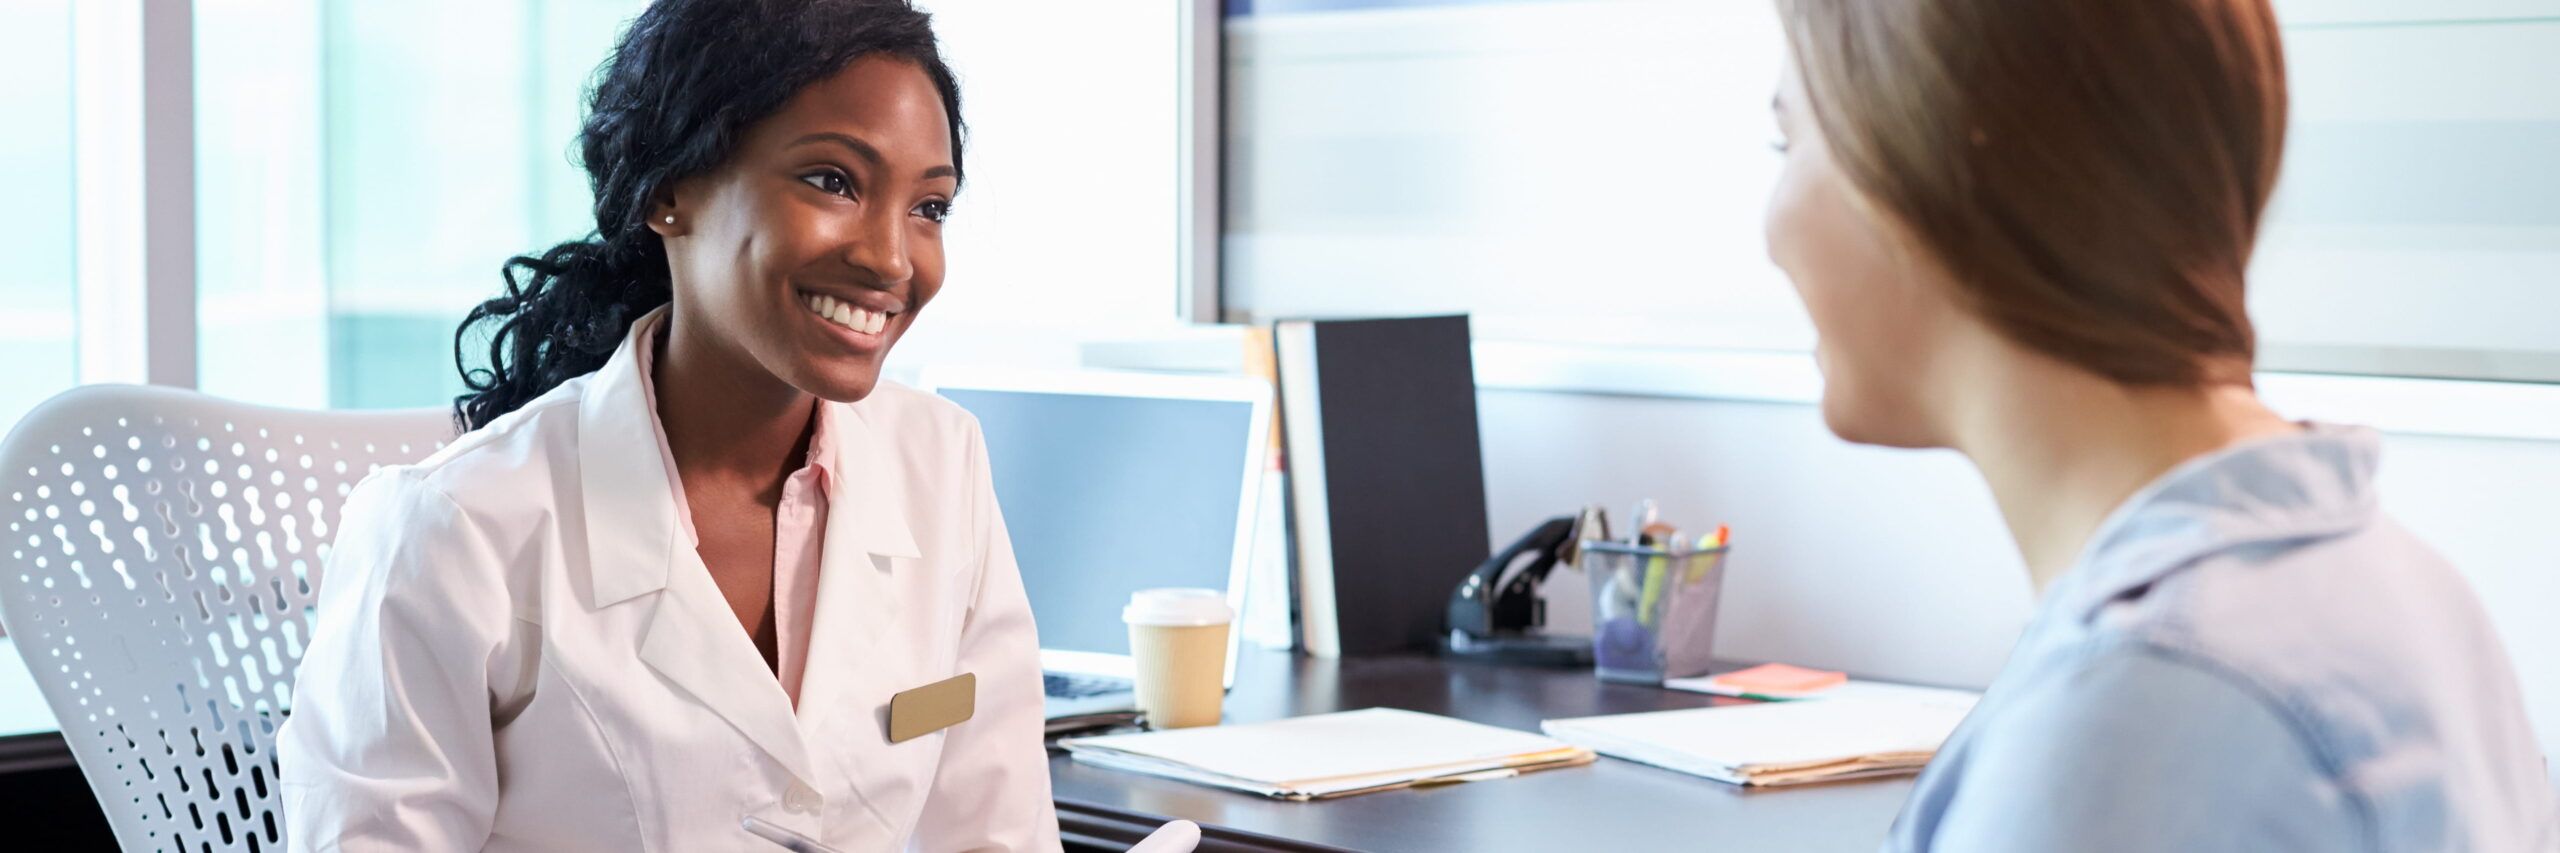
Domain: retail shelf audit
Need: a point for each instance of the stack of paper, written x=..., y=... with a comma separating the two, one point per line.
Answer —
x=1330, y=755
x=1778, y=743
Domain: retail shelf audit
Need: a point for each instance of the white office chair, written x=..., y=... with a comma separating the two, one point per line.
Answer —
x=163, y=549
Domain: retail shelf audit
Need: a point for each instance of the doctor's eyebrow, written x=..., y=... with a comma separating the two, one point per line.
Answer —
x=865, y=151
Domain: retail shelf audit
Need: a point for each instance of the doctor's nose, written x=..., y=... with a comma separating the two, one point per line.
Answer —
x=878, y=247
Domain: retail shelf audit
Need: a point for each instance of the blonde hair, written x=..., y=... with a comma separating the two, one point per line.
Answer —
x=2091, y=172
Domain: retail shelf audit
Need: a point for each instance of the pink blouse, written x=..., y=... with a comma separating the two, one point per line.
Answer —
x=799, y=525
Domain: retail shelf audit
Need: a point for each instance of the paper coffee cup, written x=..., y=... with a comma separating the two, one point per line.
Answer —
x=1179, y=638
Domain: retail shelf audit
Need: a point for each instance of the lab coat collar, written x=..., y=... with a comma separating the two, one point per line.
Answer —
x=633, y=537
x=860, y=609
x=867, y=508
x=636, y=547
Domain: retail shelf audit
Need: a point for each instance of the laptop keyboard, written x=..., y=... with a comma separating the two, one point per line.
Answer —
x=1061, y=685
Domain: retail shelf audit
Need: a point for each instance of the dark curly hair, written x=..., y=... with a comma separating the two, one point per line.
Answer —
x=680, y=89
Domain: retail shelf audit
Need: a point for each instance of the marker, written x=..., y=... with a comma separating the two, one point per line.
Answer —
x=1711, y=556
x=1655, y=567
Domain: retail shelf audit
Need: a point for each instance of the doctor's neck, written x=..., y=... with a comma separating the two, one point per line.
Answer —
x=726, y=416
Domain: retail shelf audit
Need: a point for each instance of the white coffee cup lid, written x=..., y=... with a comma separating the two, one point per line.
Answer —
x=1178, y=608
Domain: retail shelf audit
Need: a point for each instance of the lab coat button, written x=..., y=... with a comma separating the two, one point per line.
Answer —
x=800, y=800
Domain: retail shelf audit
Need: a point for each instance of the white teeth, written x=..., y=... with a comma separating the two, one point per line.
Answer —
x=846, y=314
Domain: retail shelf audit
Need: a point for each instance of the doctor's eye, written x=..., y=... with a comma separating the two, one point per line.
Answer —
x=829, y=181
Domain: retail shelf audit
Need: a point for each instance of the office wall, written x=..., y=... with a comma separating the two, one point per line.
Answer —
x=1896, y=564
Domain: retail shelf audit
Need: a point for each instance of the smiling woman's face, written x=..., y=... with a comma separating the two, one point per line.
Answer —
x=1882, y=314
x=812, y=250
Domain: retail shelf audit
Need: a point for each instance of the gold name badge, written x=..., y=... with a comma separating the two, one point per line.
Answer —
x=933, y=707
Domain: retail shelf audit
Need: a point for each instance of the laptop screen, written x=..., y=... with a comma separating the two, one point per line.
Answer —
x=1108, y=494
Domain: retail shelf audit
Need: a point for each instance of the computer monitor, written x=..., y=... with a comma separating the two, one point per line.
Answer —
x=1113, y=482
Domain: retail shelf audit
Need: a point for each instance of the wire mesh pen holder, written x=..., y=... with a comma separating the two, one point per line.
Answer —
x=1653, y=610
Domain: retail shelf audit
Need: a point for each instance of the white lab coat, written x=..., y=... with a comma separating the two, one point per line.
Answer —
x=517, y=650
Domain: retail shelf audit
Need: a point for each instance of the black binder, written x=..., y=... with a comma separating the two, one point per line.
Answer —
x=1386, y=477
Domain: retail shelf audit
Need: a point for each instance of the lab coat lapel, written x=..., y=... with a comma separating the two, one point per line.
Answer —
x=632, y=533
x=635, y=547
x=860, y=610
x=694, y=640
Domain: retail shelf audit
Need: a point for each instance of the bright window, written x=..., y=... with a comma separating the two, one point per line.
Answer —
x=1069, y=224
x=38, y=283
x=363, y=170
x=2417, y=228
x=1581, y=172
x=1594, y=171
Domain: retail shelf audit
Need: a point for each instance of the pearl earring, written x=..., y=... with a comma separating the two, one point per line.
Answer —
x=671, y=219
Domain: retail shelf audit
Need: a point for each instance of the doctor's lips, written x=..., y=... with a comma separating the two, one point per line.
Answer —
x=867, y=318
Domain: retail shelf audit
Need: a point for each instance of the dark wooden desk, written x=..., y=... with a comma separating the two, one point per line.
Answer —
x=1610, y=805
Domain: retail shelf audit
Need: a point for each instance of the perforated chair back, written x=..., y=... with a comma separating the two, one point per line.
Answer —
x=163, y=551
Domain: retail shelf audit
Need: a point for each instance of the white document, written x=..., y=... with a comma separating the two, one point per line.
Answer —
x=1778, y=743
x=1329, y=754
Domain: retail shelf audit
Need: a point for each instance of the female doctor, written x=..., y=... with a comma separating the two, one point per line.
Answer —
x=693, y=562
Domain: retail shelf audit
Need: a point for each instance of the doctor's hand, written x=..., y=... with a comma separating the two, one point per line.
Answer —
x=1177, y=837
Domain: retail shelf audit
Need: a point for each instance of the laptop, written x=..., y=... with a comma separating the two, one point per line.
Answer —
x=1112, y=482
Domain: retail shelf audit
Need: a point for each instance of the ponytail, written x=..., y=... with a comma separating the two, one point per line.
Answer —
x=561, y=316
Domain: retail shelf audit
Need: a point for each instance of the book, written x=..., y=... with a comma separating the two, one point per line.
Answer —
x=1778, y=743
x=1330, y=755
x=1385, y=472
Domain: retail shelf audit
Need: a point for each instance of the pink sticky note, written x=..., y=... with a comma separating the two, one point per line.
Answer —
x=1780, y=678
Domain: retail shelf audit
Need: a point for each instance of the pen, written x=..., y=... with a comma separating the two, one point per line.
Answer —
x=1647, y=602
x=1645, y=516
x=784, y=838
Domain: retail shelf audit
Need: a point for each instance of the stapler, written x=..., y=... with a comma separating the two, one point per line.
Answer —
x=1493, y=613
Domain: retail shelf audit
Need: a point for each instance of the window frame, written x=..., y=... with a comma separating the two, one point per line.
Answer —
x=134, y=191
